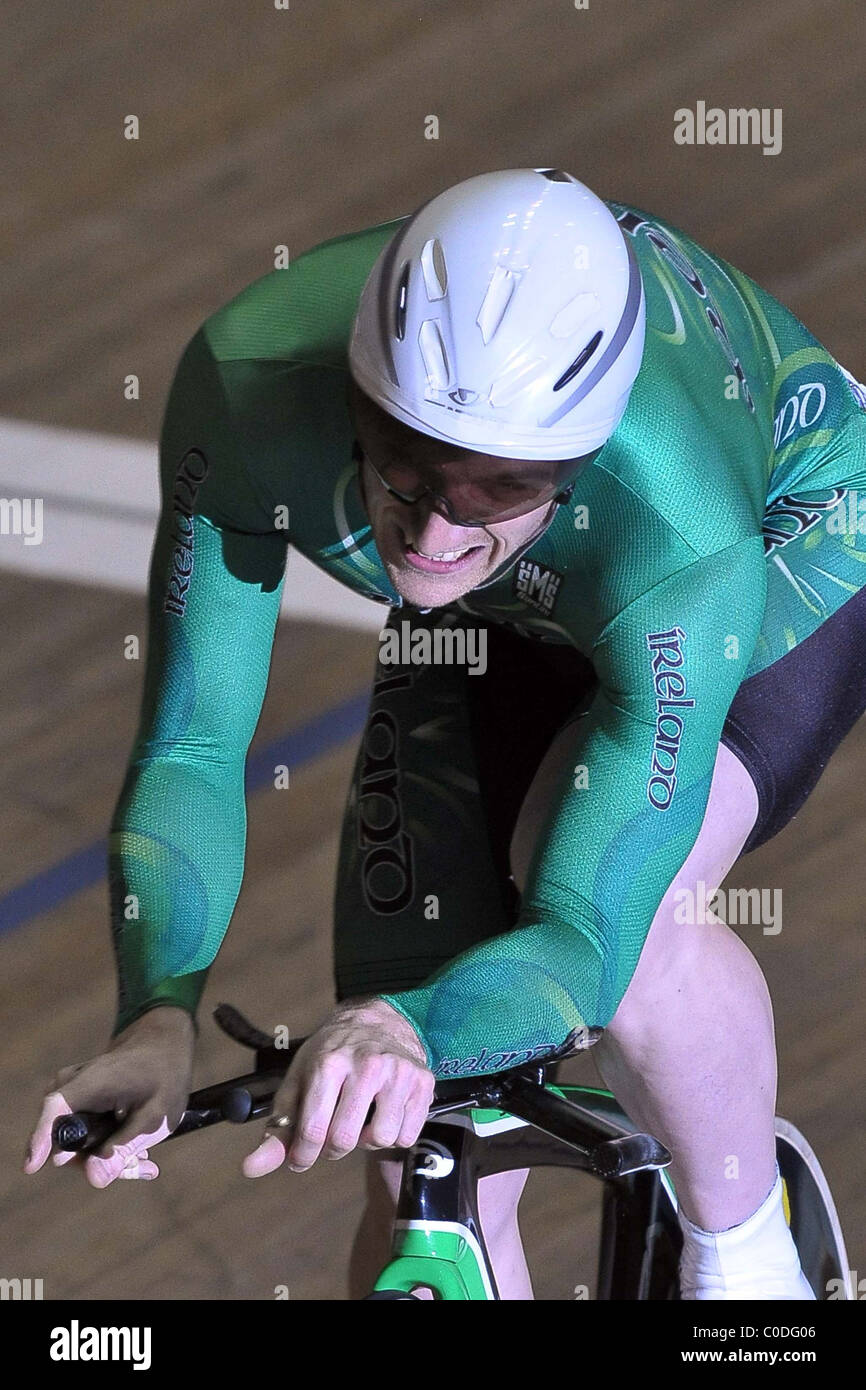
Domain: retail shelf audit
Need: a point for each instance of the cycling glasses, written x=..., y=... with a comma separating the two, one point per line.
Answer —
x=477, y=494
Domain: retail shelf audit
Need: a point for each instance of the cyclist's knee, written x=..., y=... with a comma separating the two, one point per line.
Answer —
x=498, y=1198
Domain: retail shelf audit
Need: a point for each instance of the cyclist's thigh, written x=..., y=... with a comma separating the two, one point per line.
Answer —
x=678, y=932
x=731, y=811
x=444, y=764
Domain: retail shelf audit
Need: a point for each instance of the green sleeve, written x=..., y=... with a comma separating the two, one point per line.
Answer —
x=621, y=824
x=176, y=847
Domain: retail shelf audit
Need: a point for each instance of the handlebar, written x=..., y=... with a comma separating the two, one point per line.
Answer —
x=609, y=1150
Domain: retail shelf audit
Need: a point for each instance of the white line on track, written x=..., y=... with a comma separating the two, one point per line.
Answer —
x=100, y=504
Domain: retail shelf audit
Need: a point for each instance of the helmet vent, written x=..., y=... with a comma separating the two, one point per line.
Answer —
x=556, y=175
x=579, y=362
x=434, y=355
x=495, y=302
x=401, y=303
x=434, y=270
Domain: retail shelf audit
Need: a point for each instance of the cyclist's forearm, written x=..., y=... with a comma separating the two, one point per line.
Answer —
x=176, y=856
x=504, y=1002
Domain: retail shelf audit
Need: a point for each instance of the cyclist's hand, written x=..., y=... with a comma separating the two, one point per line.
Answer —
x=144, y=1077
x=365, y=1053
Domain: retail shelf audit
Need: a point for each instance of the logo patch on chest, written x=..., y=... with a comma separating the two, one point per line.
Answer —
x=536, y=586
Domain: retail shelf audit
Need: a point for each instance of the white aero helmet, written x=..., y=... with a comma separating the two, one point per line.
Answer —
x=506, y=315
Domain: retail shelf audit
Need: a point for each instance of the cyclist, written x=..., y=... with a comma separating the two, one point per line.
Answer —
x=595, y=472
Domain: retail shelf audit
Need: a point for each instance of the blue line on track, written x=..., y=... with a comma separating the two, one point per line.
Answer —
x=86, y=867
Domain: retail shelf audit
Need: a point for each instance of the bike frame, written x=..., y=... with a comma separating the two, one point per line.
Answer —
x=438, y=1241
x=439, y=1244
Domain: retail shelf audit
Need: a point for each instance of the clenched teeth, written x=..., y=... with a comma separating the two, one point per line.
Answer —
x=444, y=554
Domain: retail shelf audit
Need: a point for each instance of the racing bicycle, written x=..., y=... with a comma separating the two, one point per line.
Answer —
x=519, y=1118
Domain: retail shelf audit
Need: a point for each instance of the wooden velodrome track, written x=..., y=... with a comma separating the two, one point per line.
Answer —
x=262, y=126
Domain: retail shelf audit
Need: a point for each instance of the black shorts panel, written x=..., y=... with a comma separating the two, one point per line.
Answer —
x=460, y=794
x=786, y=721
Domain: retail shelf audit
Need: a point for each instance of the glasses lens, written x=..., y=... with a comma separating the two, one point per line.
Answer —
x=490, y=491
x=403, y=477
x=499, y=496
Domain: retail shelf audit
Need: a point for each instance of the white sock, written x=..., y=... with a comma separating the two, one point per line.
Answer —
x=755, y=1260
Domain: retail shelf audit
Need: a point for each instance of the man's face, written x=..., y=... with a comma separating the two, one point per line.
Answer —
x=429, y=560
